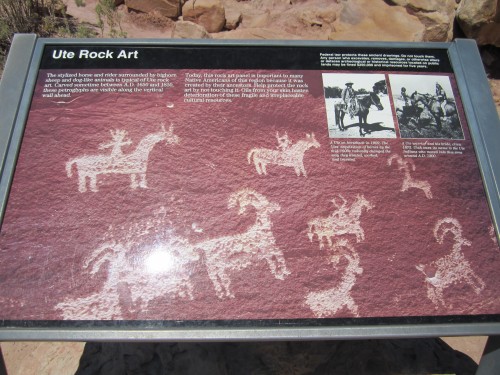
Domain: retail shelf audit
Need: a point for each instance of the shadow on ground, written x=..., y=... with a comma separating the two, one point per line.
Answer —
x=420, y=356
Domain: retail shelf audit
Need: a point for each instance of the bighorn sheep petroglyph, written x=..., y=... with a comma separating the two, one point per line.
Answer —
x=452, y=268
x=239, y=251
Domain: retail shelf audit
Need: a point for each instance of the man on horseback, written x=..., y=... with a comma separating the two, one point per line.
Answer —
x=349, y=99
x=405, y=96
x=283, y=141
x=441, y=98
x=116, y=145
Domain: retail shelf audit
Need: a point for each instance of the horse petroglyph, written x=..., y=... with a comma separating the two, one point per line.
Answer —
x=408, y=181
x=328, y=302
x=239, y=251
x=134, y=163
x=148, y=262
x=452, y=268
x=139, y=283
x=288, y=155
x=343, y=220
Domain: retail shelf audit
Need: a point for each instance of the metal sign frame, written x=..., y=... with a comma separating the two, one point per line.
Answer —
x=16, y=92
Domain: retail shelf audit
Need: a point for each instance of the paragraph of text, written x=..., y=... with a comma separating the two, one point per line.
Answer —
x=353, y=150
x=431, y=149
x=63, y=85
x=361, y=60
x=224, y=87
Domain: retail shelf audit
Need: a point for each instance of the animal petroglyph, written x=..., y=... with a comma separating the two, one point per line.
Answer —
x=239, y=251
x=452, y=268
x=328, y=302
x=137, y=271
x=134, y=163
x=140, y=284
x=288, y=155
x=344, y=220
x=407, y=165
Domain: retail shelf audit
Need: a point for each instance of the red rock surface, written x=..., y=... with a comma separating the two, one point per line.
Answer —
x=51, y=229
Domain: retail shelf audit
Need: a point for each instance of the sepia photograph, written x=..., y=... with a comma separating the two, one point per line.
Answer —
x=425, y=106
x=357, y=106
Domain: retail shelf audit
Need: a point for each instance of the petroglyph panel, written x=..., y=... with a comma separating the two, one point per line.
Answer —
x=237, y=211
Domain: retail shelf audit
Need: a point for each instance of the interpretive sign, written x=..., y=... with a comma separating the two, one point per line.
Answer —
x=155, y=184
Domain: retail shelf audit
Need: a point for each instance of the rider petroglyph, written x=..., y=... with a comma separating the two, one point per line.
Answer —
x=147, y=262
x=142, y=283
x=135, y=163
x=288, y=154
x=407, y=165
x=343, y=220
x=451, y=269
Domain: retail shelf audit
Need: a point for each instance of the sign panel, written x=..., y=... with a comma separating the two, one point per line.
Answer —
x=263, y=185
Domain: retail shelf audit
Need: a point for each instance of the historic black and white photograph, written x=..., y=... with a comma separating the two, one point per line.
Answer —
x=425, y=106
x=357, y=105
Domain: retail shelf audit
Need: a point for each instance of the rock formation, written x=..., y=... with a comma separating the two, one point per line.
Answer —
x=208, y=13
x=167, y=8
x=382, y=20
x=189, y=30
x=480, y=20
x=403, y=20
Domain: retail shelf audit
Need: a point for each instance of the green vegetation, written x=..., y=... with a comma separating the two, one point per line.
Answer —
x=107, y=14
x=47, y=18
x=44, y=17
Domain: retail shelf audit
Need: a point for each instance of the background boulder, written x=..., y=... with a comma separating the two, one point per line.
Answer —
x=480, y=20
x=189, y=30
x=208, y=13
x=167, y=8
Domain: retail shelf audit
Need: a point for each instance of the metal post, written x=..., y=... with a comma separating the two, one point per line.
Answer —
x=3, y=369
x=490, y=361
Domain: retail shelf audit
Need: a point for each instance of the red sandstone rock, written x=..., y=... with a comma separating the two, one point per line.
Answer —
x=208, y=13
x=436, y=16
x=479, y=19
x=167, y=8
x=233, y=18
x=189, y=30
x=375, y=20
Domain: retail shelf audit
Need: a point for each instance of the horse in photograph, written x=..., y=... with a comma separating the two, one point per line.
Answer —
x=434, y=107
x=363, y=104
